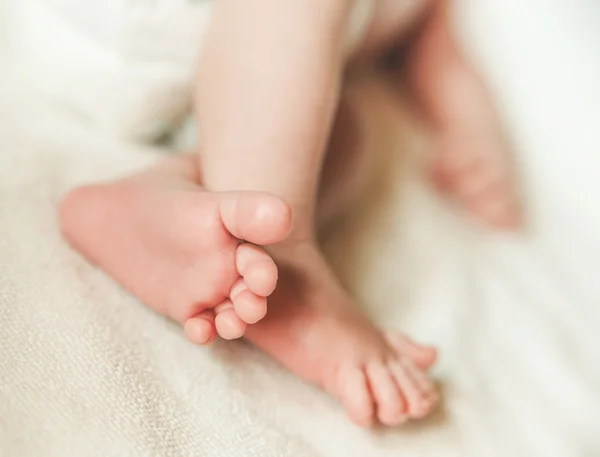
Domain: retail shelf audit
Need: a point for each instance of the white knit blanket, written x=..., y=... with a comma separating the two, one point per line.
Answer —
x=86, y=370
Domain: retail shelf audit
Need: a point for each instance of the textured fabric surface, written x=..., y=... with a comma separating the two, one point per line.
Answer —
x=127, y=65
x=87, y=370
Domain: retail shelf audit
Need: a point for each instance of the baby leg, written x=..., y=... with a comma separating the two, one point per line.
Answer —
x=313, y=326
x=472, y=163
x=264, y=126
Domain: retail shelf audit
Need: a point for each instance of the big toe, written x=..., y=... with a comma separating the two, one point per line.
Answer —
x=423, y=356
x=257, y=217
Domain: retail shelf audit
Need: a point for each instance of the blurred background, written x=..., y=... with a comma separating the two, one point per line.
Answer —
x=515, y=317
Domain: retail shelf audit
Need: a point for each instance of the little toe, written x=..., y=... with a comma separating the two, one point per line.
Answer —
x=355, y=396
x=200, y=329
x=391, y=407
x=423, y=356
x=417, y=405
x=257, y=217
x=249, y=307
x=229, y=326
x=257, y=268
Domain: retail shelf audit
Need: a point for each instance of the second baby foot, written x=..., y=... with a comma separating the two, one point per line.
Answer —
x=183, y=251
x=472, y=165
x=314, y=329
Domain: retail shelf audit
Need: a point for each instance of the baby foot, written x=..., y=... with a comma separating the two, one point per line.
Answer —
x=473, y=167
x=181, y=250
x=314, y=329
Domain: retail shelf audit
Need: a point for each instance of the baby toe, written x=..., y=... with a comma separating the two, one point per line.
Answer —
x=200, y=329
x=417, y=404
x=423, y=356
x=249, y=307
x=391, y=406
x=257, y=268
x=229, y=326
x=421, y=380
x=353, y=392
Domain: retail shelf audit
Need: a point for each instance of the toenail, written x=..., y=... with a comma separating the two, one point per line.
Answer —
x=264, y=212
